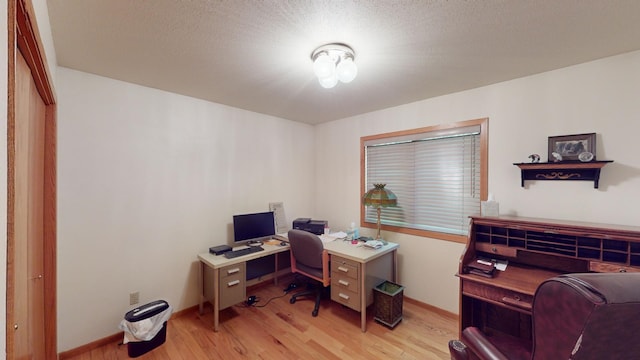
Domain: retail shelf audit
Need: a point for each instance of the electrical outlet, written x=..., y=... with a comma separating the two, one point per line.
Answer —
x=134, y=298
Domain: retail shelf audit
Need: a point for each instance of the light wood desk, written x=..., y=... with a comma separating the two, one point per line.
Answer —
x=229, y=278
x=356, y=270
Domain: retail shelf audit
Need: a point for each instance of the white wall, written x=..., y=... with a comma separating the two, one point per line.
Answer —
x=44, y=28
x=146, y=181
x=600, y=97
x=3, y=179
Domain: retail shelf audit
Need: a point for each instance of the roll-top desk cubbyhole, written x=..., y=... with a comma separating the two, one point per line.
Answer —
x=536, y=249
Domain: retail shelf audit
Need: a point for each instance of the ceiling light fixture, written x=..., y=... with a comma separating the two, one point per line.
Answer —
x=333, y=63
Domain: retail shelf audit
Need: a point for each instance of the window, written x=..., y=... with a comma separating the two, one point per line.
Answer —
x=438, y=173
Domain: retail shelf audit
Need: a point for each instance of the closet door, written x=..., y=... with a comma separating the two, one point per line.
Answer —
x=31, y=331
x=29, y=220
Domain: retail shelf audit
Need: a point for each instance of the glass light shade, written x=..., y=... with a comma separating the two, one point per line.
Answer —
x=328, y=82
x=323, y=66
x=379, y=197
x=346, y=70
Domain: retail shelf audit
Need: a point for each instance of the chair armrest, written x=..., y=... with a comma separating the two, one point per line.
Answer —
x=458, y=350
x=479, y=345
x=326, y=279
x=294, y=267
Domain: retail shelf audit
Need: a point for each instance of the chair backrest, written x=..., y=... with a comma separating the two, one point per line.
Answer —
x=587, y=316
x=306, y=248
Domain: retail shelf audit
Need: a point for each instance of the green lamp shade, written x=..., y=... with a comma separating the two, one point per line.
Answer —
x=379, y=197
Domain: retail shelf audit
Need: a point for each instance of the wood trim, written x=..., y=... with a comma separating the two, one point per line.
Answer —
x=484, y=174
x=24, y=36
x=462, y=239
x=484, y=158
x=444, y=313
x=117, y=338
x=11, y=174
x=30, y=44
x=86, y=348
x=50, y=231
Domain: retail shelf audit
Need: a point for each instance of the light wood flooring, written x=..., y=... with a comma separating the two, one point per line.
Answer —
x=277, y=329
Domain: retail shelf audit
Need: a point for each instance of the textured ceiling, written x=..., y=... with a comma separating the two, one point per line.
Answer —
x=255, y=55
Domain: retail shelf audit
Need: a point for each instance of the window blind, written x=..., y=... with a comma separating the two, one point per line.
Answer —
x=435, y=175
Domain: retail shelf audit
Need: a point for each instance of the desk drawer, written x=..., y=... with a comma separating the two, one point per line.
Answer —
x=598, y=266
x=497, y=249
x=232, y=285
x=346, y=297
x=233, y=270
x=343, y=268
x=344, y=282
x=506, y=297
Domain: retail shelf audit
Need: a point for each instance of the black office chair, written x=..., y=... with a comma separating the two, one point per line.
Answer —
x=309, y=258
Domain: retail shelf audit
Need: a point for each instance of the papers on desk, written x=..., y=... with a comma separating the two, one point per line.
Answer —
x=282, y=236
x=327, y=238
x=373, y=244
x=333, y=236
x=498, y=264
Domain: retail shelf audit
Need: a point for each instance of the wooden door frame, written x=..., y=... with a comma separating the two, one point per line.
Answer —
x=23, y=36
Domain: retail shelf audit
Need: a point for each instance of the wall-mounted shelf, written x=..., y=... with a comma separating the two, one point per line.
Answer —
x=585, y=171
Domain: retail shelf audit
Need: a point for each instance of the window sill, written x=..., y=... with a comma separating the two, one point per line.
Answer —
x=461, y=239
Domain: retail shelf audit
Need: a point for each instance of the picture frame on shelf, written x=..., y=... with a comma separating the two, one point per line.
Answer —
x=571, y=146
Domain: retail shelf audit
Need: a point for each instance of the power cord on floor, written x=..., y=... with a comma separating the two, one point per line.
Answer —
x=253, y=300
x=290, y=287
x=273, y=298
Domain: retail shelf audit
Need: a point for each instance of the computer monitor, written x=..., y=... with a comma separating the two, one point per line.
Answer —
x=253, y=228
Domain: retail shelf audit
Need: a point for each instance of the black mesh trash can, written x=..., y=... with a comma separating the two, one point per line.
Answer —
x=387, y=299
x=145, y=327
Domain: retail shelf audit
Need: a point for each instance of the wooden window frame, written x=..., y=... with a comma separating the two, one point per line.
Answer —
x=483, y=123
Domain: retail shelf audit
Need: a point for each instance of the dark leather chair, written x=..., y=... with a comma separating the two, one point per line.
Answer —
x=575, y=316
x=309, y=258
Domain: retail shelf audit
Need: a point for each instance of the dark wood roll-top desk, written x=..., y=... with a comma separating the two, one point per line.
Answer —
x=535, y=249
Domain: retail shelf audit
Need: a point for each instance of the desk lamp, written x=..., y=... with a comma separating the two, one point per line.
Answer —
x=379, y=197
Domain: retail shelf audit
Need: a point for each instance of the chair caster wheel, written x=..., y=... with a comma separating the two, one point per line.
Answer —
x=314, y=313
x=292, y=301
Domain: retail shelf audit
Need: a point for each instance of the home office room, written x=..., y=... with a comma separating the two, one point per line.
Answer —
x=174, y=118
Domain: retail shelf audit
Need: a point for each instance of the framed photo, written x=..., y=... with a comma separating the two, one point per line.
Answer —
x=571, y=146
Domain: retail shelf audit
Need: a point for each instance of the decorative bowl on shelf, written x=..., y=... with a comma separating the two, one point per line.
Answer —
x=585, y=156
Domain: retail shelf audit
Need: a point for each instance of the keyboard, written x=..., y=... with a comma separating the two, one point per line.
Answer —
x=235, y=253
